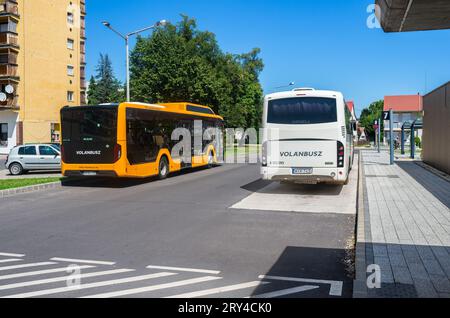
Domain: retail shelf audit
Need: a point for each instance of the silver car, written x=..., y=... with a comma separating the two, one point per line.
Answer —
x=25, y=158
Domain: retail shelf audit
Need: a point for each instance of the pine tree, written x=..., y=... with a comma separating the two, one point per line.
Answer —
x=105, y=87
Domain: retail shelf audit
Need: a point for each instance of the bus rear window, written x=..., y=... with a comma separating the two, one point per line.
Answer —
x=89, y=124
x=302, y=111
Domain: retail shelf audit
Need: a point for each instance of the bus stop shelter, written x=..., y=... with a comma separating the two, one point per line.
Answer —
x=413, y=127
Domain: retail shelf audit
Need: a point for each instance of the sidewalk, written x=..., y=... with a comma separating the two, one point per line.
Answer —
x=404, y=227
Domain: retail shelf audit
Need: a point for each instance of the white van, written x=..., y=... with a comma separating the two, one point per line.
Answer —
x=308, y=137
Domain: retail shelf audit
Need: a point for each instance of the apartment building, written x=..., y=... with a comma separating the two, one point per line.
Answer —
x=42, y=67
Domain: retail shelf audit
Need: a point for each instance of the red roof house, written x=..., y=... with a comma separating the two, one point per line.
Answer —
x=404, y=103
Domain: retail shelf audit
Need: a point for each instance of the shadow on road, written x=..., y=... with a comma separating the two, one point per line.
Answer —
x=270, y=187
x=312, y=264
x=116, y=183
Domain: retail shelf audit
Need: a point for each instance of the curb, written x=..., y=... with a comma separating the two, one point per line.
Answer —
x=29, y=189
x=360, y=282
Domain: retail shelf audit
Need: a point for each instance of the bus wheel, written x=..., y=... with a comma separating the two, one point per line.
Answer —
x=211, y=162
x=164, y=168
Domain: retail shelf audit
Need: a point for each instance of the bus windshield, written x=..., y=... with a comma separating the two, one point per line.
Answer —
x=302, y=111
x=90, y=125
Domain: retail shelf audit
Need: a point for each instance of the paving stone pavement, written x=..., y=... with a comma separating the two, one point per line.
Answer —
x=407, y=227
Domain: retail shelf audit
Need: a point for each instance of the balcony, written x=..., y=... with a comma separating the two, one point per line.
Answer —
x=83, y=99
x=83, y=8
x=11, y=103
x=9, y=7
x=8, y=71
x=83, y=33
x=83, y=59
x=8, y=39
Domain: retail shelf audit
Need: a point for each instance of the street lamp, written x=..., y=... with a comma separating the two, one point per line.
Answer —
x=290, y=84
x=126, y=37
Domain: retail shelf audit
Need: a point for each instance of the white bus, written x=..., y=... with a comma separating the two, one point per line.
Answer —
x=308, y=137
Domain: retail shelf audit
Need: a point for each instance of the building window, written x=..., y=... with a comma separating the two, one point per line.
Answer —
x=3, y=135
x=70, y=18
x=70, y=96
x=70, y=70
x=70, y=44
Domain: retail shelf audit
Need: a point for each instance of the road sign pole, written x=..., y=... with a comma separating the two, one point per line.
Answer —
x=379, y=135
x=391, y=134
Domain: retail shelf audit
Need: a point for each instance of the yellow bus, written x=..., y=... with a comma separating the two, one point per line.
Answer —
x=134, y=140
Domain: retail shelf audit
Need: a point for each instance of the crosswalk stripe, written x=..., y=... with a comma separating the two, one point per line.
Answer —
x=285, y=292
x=82, y=261
x=12, y=255
x=141, y=290
x=64, y=278
x=11, y=260
x=6, y=268
x=182, y=269
x=219, y=290
x=43, y=272
x=87, y=286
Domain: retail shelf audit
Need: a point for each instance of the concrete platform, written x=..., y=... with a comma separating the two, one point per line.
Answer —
x=320, y=198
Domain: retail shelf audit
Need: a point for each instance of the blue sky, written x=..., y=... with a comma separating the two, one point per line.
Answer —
x=324, y=44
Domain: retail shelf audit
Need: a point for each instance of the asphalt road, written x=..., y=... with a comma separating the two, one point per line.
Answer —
x=189, y=229
x=2, y=162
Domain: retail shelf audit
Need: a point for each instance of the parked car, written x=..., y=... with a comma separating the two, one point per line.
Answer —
x=34, y=157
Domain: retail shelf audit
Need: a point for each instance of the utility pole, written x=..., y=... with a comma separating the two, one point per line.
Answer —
x=391, y=135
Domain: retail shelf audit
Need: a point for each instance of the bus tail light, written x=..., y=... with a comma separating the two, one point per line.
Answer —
x=340, y=154
x=264, y=154
x=117, y=152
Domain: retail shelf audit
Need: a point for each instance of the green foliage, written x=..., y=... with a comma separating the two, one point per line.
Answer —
x=105, y=87
x=181, y=63
x=370, y=115
x=418, y=142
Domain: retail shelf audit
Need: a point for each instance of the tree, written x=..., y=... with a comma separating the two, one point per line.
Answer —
x=105, y=87
x=181, y=63
x=370, y=115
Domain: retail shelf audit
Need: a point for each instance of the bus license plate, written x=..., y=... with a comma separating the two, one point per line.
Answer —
x=301, y=171
x=89, y=174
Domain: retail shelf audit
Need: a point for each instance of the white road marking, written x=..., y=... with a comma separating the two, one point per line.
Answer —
x=335, y=289
x=11, y=260
x=6, y=268
x=64, y=278
x=182, y=269
x=155, y=287
x=82, y=261
x=285, y=292
x=87, y=286
x=219, y=290
x=43, y=272
x=12, y=255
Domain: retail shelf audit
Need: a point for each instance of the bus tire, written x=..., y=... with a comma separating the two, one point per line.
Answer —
x=211, y=163
x=164, y=169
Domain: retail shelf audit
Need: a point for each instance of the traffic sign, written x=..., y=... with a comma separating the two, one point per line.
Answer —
x=387, y=115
